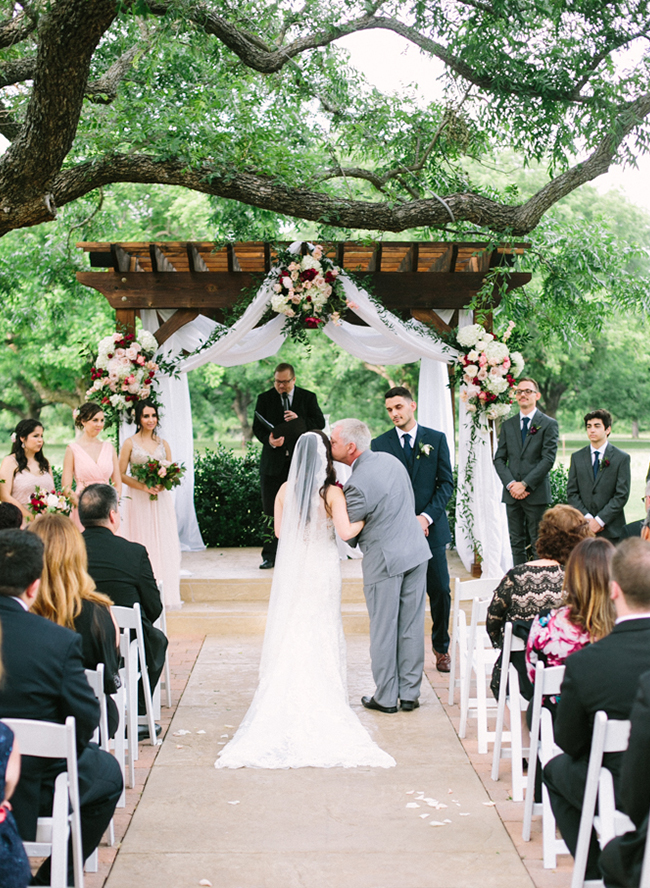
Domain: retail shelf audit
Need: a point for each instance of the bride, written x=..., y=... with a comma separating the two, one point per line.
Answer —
x=300, y=716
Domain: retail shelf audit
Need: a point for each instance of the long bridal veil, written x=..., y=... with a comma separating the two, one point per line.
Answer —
x=300, y=714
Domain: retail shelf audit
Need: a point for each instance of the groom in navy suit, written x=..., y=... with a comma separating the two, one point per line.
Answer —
x=425, y=454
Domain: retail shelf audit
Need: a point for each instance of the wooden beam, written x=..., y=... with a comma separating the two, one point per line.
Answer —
x=180, y=317
x=396, y=290
x=121, y=259
x=428, y=316
x=195, y=260
x=125, y=320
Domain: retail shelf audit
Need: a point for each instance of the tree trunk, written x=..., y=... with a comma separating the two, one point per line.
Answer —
x=552, y=394
x=635, y=429
x=240, y=405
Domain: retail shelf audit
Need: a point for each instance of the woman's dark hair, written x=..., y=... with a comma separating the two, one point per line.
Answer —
x=330, y=471
x=560, y=531
x=139, y=409
x=86, y=412
x=586, y=587
x=24, y=428
x=10, y=516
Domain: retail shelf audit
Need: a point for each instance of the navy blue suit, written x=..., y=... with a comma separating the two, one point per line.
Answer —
x=433, y=483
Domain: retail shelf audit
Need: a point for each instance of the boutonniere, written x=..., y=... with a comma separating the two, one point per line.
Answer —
x=604, y=463
x=533, y=430
x=425, y=450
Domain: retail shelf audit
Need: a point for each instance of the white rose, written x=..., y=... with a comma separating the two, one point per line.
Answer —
x=471, y=370
x=496, y=352
x=116, y=400
x=51, y=501
x=469, y=336
x=518, y=363
x=497, y=385
x=473, y=355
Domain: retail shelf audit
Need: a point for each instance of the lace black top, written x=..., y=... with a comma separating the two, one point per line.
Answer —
x=525, y=591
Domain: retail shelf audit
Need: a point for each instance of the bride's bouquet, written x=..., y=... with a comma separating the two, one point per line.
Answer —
x=49, y=501
x=158, y=473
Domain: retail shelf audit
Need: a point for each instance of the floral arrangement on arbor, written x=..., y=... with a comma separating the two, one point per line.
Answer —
x=486, y=371
x=123, y=374
x=158, y=473
x=307, y=290
x=49, y=501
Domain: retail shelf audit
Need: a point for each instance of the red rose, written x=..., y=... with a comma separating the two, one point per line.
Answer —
x=312, y=323
x=308, y=274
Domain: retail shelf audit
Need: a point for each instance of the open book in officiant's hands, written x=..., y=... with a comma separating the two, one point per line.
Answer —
x=290, y=430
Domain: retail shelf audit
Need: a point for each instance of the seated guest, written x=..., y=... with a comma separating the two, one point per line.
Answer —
x=621, y=859
x=603, y=676
x=536, y=586
x=122, y=570
x=44, y=679
x=10, y=516
x=67, y=596
x=587, y=614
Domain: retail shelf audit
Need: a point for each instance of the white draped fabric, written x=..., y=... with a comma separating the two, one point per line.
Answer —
x=386, y=340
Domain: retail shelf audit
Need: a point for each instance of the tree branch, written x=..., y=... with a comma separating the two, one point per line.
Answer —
x=16, y=29
x=17, y=71
x=104, y=90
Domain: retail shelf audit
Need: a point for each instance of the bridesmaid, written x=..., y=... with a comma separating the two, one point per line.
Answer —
x=89, y=460
x=151, y=522
x=26, y=467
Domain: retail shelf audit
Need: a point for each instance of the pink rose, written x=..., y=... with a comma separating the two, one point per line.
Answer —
x=162, y=471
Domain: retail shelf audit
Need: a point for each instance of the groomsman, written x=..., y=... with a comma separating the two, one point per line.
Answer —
x=283, y=403
x=525, y=455
x=599, y=479
x=425, y=455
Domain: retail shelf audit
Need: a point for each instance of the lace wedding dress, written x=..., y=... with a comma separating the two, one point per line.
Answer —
x=300, y=716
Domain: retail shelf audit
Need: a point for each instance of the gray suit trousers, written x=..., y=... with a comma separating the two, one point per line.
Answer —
x=396, y=609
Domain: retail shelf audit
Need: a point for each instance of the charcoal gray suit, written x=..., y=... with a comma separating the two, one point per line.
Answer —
x=395, y=556
x=605, y=496
x=529, y=461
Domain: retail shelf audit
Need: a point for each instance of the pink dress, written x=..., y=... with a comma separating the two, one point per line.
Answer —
x=553, y=638
x=87, y=471
x=153, y=524
x=25, y=485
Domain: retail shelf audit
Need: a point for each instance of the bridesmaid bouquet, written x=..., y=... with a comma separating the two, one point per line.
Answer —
x=158, y=473
x=49, y=501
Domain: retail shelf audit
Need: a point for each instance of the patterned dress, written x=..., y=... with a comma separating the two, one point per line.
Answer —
x=14, y=866
x=553, y=638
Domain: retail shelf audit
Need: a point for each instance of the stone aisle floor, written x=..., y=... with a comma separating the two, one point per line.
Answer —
x=365, y=828
x=184, y=653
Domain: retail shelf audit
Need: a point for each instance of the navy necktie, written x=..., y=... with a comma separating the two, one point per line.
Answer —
x=596, y=464
x=408, y=451
x=524, y=428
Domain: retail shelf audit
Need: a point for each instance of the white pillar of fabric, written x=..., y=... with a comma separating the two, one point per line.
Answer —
x=435, y=409
x=483, y=498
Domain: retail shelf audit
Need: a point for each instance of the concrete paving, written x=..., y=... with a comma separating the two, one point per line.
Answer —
x=311, y=828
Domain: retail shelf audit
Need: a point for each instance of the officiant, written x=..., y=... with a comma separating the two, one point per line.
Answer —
x=282, y=414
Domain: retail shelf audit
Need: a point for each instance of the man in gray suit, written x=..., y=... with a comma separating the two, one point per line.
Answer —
x=599, y=479
x=525, y=455
x=395, y=556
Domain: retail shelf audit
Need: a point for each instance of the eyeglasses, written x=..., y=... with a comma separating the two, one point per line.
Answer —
x=284, y=381
x=524, y=391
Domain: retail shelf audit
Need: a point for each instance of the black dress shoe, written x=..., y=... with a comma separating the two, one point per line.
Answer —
x=266, y=564
x=143, y=732
x=410, y=705
x=371, y=703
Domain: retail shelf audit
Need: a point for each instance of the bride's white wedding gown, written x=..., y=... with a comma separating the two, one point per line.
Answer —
x=300, y=716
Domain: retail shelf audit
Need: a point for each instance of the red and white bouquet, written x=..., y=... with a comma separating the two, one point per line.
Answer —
x=123, y=373
x=307, y=289
x=487, y=371
x=49, y=501
x=158, y=473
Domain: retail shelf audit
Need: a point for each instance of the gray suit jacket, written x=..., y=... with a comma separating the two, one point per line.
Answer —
x=604, y=498
x=379, y=491
x=531, y=461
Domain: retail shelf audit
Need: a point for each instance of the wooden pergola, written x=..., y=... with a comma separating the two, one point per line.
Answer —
x=411, y=279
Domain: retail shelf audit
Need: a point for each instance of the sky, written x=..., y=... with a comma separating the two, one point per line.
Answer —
x=390, y=63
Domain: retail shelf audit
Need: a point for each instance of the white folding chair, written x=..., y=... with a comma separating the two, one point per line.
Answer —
x=95, y=678
x=510, y=696
x=464, y=590
x=480, y=659
x=165, y=679
x=609, y=735
x=130, y=618
x=49, y=740
x=543, y=748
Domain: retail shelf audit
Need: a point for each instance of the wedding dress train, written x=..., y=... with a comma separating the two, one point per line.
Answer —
x=300, y=716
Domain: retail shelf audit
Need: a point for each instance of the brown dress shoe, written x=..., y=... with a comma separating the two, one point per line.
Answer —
x=443, y=662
